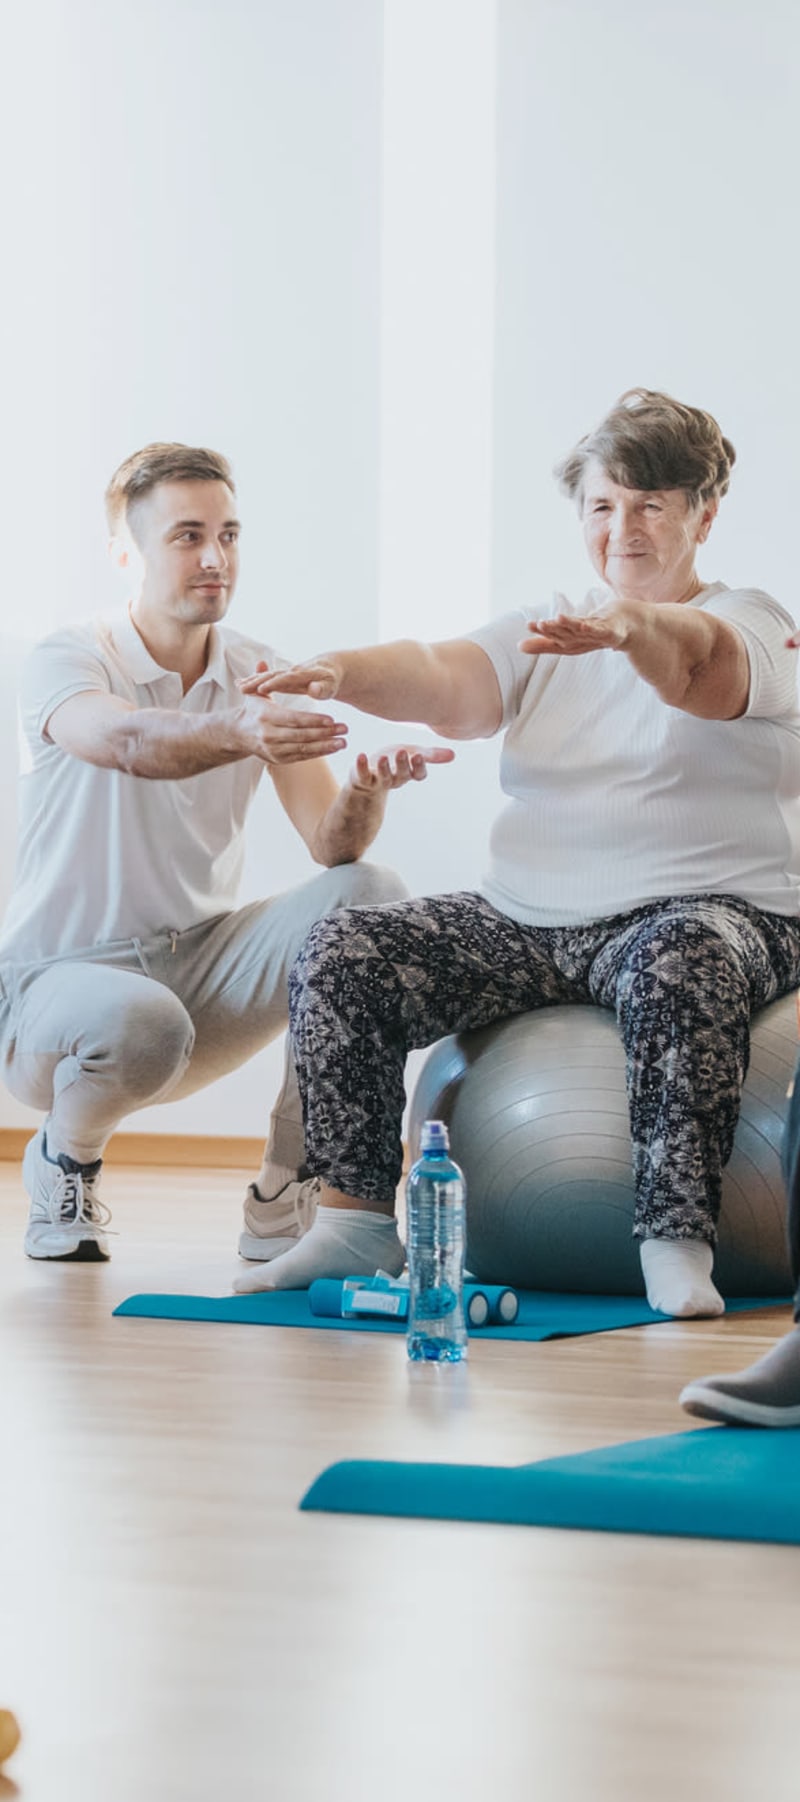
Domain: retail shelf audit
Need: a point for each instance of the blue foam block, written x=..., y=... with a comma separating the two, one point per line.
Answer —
x=541, y=1316
x=714, y=1483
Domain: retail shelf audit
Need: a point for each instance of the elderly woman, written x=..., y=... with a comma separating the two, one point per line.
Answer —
x=646, y=859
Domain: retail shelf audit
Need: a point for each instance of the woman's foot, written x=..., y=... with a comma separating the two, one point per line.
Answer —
x=677, y=1276
x=342, y=1242
x=766, y=1394
x=275, y=1219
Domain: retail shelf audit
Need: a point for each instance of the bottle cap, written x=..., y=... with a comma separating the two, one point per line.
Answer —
x=434, y=1136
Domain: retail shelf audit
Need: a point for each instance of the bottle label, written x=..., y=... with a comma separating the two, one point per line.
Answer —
x=379, y=1301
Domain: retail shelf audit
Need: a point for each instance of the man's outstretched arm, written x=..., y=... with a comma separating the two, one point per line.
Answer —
x=339, y=824
x=165, y=744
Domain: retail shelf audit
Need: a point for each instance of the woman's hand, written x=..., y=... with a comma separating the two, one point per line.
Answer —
x=394, y=767
x=565, y=636
x=319, y=680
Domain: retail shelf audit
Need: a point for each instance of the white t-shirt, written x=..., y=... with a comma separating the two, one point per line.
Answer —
x=616, y=798
x=103, y=855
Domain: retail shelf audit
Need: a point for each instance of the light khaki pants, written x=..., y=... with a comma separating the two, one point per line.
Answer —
x=90, y=1038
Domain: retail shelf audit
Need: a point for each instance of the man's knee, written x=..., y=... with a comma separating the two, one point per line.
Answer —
x=154, y=1040
x=136, y=1037
x=147, y=1041
x=364, y=885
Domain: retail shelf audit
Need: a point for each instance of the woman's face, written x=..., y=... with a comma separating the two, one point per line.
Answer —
x=642, y=543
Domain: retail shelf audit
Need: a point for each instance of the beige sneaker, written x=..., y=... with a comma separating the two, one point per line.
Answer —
x=272, y=1227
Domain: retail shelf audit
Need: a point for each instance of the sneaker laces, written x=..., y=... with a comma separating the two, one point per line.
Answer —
x=71, y=1202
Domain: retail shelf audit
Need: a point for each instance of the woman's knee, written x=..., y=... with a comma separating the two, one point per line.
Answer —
x=335, y=944
x=345, y=968
x=680, y=954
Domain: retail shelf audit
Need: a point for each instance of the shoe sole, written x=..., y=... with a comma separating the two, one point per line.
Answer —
x=87, y=1252
x=734, y=1410
x=262, y=1251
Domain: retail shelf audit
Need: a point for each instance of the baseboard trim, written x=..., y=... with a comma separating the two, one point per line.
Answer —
x=188, y=1150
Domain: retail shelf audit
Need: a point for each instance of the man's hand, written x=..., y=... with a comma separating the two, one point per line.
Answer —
x=565, y=636
x=394, y=767
x=283, y=734
x=319, y=680
x=339, y=824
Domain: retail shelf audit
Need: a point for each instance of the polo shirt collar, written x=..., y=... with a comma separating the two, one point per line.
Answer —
x=142, y=666
x=216, y=669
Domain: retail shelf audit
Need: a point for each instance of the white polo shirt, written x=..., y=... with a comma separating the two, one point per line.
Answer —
x=615, y=798
x=103, y=855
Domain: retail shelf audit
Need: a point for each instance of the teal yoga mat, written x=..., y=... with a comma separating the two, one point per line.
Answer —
x=541, y=1316
x=715, y=1483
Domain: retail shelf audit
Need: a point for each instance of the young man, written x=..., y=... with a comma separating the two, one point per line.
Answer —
x=127, y=974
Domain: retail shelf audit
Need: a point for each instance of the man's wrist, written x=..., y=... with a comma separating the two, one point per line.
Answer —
x=228, y=731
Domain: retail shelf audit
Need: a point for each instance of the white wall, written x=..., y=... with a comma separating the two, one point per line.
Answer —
x=647, y=163
x=393, y=260
x=200, y=238
x=437, y=314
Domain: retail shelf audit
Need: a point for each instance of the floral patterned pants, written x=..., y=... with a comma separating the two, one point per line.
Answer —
x=683, y=976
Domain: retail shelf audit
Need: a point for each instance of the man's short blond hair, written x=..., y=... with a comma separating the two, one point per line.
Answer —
x=145, y=469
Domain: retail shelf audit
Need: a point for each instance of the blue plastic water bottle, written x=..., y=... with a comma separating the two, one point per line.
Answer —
x=436, y=1235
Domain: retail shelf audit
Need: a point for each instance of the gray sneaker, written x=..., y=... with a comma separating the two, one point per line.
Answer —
x=274, y=1226
x=67, y=1217
x=767, y=1394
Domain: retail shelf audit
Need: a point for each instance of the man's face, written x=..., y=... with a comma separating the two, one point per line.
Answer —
x=186, y=535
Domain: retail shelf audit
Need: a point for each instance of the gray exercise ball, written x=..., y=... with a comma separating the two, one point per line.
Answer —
x=538, y=1119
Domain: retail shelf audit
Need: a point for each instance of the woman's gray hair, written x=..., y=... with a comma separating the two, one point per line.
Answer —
x=650, y=441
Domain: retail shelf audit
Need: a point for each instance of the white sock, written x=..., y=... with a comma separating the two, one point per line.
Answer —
x=342, y=1242
x=677, y=1275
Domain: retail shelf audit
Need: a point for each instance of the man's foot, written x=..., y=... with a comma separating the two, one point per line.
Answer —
x=767, y=1394
x=342, y=1242
x=677, y=1276
x=67, y=1216
x=274, y=1226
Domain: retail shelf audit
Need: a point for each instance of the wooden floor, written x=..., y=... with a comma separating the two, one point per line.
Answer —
x=173, y=1630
